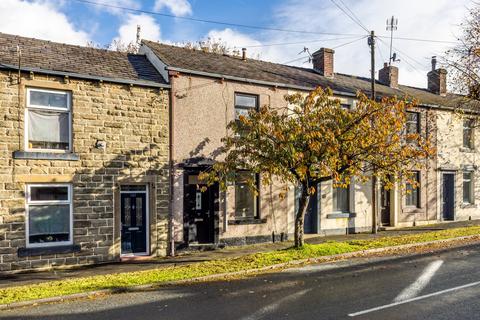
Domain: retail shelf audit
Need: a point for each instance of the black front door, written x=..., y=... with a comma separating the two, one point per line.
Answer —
x=385, y=206
x=311, y=215
x=134, y=222
x=199, y=212
x=448, y=207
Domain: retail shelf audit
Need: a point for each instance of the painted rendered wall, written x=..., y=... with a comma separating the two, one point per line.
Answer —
x=427, y=211
x=360, y=206
x=202, y=109
x=453, y=157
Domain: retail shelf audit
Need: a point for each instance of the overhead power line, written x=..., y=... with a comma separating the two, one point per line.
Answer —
x=299, y=42
x=347, y=43
x=381, y=54
x=405, y=58
x=422, y=40
x=354, y=16
x=106, y=5
x=335, y=47
x=297, y=59
x=213, y=21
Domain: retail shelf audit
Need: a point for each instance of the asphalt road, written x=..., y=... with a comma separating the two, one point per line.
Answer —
x=444, y=285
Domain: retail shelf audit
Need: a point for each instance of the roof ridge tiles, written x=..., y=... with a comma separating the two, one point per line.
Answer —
x=48, y=56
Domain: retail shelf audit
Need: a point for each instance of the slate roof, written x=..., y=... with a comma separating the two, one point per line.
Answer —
x=40, y=55
x=199, y=61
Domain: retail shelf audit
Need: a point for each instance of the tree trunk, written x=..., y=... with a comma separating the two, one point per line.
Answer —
x=374, y=206
x=300, y=217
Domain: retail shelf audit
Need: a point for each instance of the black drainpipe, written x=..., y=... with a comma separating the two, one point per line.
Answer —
x=171, y=228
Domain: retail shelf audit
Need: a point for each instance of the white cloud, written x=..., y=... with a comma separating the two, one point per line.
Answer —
x=432, y=19
x=177, y=7
x=127, y=32
x=429, y=20
x=39, y=19
x=235, y=40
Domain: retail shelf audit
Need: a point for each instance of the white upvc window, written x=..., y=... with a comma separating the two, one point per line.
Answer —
x=48, y=120
x=246, y=201
x=244, y=103
x=412, y=197
x=341, y=199
x=468, y=134
x=468, y=191
x=49, y=215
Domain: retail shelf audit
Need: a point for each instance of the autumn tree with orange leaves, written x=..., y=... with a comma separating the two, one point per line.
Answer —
x=315, y=140
x=463, y=59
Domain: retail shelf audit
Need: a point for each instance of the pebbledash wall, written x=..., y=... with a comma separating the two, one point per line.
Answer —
x=203, y=107
x=133, y=123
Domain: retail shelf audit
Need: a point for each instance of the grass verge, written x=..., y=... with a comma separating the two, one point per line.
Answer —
x=247, y=262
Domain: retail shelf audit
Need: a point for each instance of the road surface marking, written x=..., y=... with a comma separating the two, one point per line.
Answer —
x=468, y=285
x=274, y=306
x=415, y=288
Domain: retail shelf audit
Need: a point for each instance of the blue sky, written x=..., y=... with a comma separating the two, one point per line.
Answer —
x=238, y=11
x=73, y=22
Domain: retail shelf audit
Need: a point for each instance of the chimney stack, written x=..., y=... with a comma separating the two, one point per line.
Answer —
x=139, y=37
x=437, y=79
x=388, y=76
x=323, y=62
x=244, y=54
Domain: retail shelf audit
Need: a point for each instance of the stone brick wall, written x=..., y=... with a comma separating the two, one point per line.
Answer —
x=132, y=120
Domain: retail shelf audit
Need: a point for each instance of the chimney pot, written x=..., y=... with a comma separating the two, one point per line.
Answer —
x=244, y=54
x=388, y=76
x=437, y=79
x=434, y=63
x=323, y=62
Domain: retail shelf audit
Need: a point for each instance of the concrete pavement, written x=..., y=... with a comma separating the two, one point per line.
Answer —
x=442, y=285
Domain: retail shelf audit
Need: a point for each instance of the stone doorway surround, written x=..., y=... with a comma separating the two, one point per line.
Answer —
x=150, y=183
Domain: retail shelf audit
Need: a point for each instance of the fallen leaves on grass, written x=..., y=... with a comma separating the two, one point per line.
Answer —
x=121, y=281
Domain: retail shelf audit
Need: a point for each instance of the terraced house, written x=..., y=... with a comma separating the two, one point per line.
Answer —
x=210, y=90
x=100, y=153
x=83, y=155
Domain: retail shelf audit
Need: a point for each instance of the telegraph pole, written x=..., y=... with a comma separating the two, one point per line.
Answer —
x=371, y=43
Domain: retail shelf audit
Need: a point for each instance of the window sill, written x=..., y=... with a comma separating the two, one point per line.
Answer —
x=413, y=209
x=340, y=215
x=247, y=221
x=32, y=155
x=28, y=252
x=468, y=205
